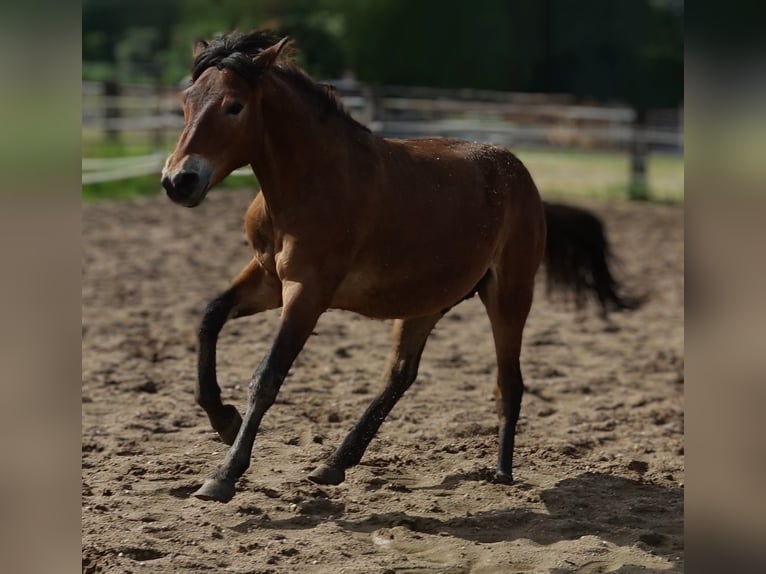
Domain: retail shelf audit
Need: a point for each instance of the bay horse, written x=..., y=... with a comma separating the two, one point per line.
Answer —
x=390, y=229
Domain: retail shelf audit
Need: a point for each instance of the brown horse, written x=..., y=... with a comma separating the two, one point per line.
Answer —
x=393, y=229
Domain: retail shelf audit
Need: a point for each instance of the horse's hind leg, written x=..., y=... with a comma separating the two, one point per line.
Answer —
x=508, y=304
x=409, y=339
x=251, y=292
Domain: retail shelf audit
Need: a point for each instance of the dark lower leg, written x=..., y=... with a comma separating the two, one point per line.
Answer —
x=263, y=392
x=351, y=450
x=511, y=388
x=224, y=419
x=409, y=341
x=298, y=319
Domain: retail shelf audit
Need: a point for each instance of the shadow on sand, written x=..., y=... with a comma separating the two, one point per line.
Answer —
x=616, y=509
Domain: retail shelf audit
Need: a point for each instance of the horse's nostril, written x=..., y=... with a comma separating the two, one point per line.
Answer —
x=167, y=184
x=185, y=182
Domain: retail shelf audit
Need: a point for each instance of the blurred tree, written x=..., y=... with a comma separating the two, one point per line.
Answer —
x=105, y=24
x=629, y=51
x=603, y=50
x=311, y=25
x=429, y=42
x=135, y=53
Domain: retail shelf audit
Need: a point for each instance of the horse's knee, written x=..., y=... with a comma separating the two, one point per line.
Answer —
x=403, y=372
x=206, y=392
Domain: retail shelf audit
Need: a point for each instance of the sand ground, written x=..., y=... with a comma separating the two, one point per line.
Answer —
x=600, y=450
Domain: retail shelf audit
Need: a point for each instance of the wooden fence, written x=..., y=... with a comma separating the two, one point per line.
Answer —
x=507, y=119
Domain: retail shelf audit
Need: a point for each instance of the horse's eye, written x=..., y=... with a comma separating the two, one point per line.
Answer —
x=234, y=108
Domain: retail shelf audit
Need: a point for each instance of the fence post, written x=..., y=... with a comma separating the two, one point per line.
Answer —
x=111, y=91
x=638, y=188
x=159, y=130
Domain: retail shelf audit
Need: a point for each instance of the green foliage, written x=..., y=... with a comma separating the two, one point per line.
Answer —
x=106, y=23
x=629, y=50
x=430, y=42
x=604, y=50
x=138, y=40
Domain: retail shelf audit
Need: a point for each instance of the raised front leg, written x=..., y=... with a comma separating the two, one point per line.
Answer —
x=251, y=292
x=301, y=309
x=409, y=339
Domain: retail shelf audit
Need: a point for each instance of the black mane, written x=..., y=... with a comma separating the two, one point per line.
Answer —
x=236, y=51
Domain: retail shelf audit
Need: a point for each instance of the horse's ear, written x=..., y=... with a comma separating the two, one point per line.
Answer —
x=268, y=56
x=199, y=47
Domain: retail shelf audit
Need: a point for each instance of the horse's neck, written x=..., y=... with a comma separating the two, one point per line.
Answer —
x=299, y=147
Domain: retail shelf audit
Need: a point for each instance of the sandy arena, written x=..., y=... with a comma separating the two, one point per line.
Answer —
x=599, y=462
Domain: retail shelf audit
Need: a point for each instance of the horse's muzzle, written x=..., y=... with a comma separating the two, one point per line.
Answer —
x=188, y=185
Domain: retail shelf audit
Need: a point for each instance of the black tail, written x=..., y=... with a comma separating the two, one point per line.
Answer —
x=577, y=259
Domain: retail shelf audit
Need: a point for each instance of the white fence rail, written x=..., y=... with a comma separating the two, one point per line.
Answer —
x=115, y=169
x=503, y=119
x=98, y=170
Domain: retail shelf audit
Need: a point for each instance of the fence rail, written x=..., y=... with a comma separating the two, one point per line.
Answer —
x=507, y=119
x=98, y=170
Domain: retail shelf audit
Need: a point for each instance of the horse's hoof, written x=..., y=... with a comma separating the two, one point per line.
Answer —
x=216, y=489
x=502, y=477
x=324, y=474
x=229, y=428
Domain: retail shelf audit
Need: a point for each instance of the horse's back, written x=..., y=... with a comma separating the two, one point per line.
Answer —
x=441, y=215
x=458, y=170
x=446, y=186
x=432, y=218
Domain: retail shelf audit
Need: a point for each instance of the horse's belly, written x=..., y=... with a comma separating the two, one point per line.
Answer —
x=402, y=294
x=424, y=255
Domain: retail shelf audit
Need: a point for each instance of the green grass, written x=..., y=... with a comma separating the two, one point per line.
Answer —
x=558, y=173
x=94, y=145
x=601, y=174
x=116, y=149
x=149, y=185
x=124, y=189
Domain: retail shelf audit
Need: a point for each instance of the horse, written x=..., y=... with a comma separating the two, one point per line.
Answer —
x=386, y=228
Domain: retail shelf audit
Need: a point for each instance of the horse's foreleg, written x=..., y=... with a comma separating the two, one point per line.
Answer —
x=300, y=311
x=409, y=339
x=251, y=292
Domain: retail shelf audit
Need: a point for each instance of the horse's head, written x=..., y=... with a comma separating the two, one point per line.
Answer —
x=220, y=115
